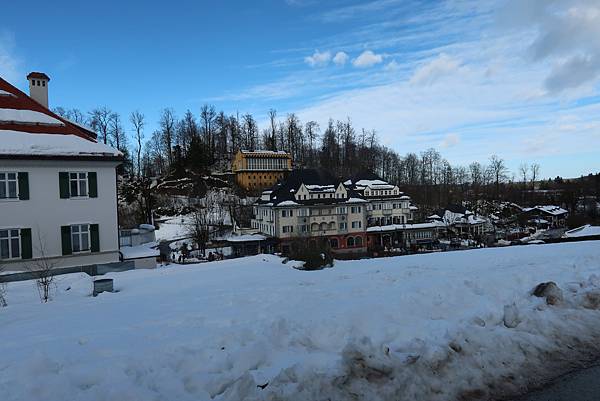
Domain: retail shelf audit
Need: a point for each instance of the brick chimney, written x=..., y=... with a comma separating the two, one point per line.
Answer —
x=38, y=87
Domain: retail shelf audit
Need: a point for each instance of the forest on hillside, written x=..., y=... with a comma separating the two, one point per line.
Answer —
x=206, y=143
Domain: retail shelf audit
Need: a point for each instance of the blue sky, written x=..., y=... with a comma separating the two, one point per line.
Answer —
x=471, y=78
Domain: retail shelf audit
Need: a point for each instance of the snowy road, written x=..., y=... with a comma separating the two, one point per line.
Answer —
x=578, y=386
x=459, y=325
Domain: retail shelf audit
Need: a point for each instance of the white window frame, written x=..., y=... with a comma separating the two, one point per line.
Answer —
x=79, y=180
x=6, y=183
x=79, y=234
x=9, y=238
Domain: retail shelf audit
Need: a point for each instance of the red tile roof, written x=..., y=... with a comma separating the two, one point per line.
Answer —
x=20, y=101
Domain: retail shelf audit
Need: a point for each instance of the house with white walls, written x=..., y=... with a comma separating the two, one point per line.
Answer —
x=58, y=194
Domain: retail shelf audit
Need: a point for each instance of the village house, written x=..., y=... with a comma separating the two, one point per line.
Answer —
x=547, y=216
x=460, y=222
x=311, y=204
x=58, y=199
x=260, y=169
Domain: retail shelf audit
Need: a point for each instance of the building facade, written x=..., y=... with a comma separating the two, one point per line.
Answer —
x=58, y=199
x=311, y=204
x=260, y=169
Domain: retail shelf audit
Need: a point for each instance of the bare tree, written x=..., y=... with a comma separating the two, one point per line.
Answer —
x=137, y=120
x=99, y=120
x=199, y=229
x=3, y=302
x=273, y=133
x=117, y=132
x=42, y=269
x=167, y=125
x=535, y=172
x=499, y=172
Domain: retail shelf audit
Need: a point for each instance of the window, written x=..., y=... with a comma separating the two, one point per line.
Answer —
x=334, y=243
x=287, y=213
x=78, y=184
x=288, y=229
x=350, y=242
x=8, y=185
x=356, y=224
x=10, y=244
x=80, y=237
x=343, y=226
x=358, y=241
x=43, y=83
x=356, y=209
x=342, y=210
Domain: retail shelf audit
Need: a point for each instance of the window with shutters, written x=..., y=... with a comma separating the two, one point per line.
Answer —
x=78, y=185
x=10, y=244
x=80, y=237
x=8, y=185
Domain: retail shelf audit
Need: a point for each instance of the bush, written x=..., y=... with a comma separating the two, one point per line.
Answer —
x=314, y=252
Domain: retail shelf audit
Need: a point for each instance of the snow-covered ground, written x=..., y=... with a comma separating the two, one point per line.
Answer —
x=422, y=327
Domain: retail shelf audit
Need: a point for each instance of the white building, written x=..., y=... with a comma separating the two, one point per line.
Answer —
x=58, y=199
x=312, y=204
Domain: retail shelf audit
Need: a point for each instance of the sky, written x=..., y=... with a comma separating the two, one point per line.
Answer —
x=520, y=79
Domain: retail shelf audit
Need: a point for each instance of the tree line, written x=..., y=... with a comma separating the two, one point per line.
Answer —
x=207, y=142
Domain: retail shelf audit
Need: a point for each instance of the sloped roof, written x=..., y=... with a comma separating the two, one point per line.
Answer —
x=22, y=113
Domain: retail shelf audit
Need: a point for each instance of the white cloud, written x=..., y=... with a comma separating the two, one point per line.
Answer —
x=340, y=58
x=318, y=59
x=429, y=73
x=567, y=35
x=450, y=140
x=367, y=59
x=392, y=66
x=9, y=62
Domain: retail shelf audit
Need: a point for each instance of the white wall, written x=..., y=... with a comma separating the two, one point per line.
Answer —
x=45, y=212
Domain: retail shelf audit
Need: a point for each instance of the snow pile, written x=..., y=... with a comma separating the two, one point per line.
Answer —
x=147, y=250
x=24, y=143
x=27, y=117
x=460, y=325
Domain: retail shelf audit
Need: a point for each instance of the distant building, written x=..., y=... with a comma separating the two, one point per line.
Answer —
x=260, y=169
x=312, y=204
x=460, y=221
x=547, y=216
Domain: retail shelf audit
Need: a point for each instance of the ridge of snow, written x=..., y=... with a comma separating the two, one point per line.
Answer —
x=27, y=117
x=25, y=143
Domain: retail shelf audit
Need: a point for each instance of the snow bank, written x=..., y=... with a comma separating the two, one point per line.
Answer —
x=423, y=327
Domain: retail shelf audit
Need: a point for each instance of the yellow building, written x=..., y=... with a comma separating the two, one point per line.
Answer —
x=260, y=169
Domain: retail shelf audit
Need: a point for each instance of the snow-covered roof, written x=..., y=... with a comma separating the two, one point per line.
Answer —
x=27, y=117
x=287, y=203
x=549, y=209
x=148, y=250
x=24, y=143
x=265, y=152
x=355, y=200
x=416, y=226
x=584, y=231
x=246, y=237
x=5, y=93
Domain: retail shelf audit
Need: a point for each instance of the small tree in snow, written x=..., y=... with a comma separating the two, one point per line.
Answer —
x=42, y=269
x=2, y=290
x=199, y=229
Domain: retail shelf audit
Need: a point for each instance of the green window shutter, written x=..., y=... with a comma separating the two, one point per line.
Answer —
x=93, y=184
x=63, y=184
x=65, y=234
x=26, y=251
x=95, y=238
x=23, y=186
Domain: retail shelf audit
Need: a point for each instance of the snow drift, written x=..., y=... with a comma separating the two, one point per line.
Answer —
x=460, y=325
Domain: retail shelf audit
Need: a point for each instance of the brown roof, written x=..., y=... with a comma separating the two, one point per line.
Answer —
x=20, y=101
x=38, y=75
